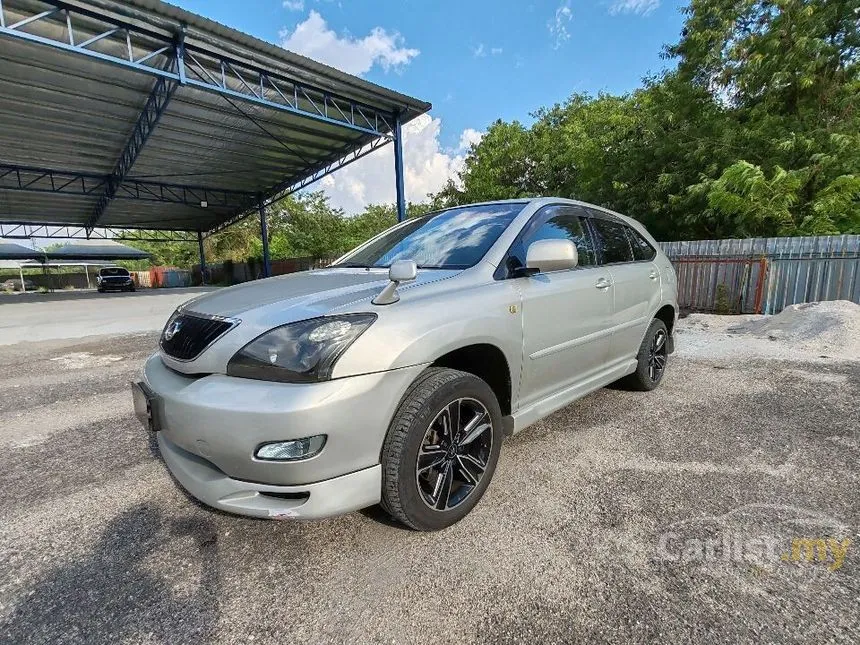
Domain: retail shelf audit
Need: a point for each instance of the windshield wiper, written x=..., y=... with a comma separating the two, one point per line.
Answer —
x=353, y=265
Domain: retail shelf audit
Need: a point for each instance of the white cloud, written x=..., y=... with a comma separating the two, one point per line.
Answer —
x=469, y=138
x=640, y=7
x=315, y=39
x=557, y=25
x=294, y=5
x=427, y=168
x=480, y=51
x=370, y=180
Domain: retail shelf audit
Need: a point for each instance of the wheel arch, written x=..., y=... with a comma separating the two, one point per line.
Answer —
x=667, y=314
x=486, y=361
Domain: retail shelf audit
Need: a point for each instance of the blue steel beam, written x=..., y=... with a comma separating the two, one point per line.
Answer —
x=24, y=231
x=264, y=236
x=198, y=67
x=44, y=180
x=146, y=122
x=398, y=170
x=202, y=257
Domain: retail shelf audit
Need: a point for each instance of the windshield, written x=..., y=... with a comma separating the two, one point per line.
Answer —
x=451, y=239
x=113, y=271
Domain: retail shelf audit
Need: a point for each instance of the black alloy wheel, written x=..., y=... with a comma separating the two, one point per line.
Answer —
x=454, y=454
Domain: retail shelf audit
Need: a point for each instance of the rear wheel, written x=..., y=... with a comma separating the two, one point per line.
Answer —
x=651, y=359
x=441, y=449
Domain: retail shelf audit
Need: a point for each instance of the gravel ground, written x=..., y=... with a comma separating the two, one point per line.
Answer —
x=97, y=544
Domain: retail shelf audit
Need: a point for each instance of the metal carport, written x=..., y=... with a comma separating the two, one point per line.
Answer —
x=139, y=116
x=83, y=253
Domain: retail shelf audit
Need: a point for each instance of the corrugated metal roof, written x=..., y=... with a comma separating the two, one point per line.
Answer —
x=67, y=110
x=95, y=250
x=11, y=251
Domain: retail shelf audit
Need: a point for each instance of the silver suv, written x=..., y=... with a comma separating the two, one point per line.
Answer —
x=393, y=376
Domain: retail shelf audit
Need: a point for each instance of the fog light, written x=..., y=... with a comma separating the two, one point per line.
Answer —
x=291, y=450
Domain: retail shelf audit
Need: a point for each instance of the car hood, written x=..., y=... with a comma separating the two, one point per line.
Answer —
x=321, y=290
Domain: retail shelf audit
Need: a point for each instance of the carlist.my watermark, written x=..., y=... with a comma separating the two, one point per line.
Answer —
x=757, y=534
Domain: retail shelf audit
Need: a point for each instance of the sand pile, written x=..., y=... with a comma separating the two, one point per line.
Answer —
x=810, y=331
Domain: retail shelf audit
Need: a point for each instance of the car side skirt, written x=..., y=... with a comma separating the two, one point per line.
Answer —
x=525, y=417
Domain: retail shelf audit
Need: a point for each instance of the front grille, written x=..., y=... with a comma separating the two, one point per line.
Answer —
x=190, y=335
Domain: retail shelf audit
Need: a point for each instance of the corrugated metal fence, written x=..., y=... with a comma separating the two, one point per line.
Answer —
x=765, y=275
x=156, y=277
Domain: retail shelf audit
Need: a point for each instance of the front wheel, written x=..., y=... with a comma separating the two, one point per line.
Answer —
x=441, y=449
x=651, y=359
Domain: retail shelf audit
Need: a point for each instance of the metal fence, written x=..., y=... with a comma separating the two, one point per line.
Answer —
x=158, y=277
x=765, y=275
x=236, y=272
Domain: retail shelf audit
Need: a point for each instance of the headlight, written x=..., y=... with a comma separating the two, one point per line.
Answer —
x=299, y=352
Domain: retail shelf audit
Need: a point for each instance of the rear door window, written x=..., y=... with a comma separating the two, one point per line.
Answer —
x=642, y=249
x=611, y=240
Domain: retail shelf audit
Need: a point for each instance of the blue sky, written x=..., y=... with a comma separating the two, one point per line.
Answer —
x=476, y=61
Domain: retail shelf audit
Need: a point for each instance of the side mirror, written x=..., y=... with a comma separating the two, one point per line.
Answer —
x=402, y=271
x=551, y=255
x=399, y=271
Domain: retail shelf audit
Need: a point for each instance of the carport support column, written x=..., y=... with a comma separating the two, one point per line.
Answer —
x=202, y=257
x=264, y=234
x=398, y=169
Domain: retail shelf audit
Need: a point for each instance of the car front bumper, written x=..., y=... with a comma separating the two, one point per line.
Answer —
x=211, y=426
x=312, y=501
x=120, y=285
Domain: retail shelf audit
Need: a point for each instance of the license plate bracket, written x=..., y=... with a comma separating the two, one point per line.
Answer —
x=146, y=406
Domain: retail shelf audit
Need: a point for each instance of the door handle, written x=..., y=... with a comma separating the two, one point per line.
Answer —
x=653, y=275
x=602, y=284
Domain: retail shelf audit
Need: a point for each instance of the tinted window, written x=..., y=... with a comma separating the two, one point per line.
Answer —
x=113, y=271
x=612, y=241
x=642, y=250
x=554, y=223
x=452, y=239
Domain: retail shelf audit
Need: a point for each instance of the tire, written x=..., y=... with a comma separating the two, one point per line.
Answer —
x=418, y=426
x=649, y=372
x=100, y=290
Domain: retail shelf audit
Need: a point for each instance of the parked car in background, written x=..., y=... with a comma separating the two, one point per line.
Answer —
x=394, y=375
x=114, y=279
x=15, y=285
